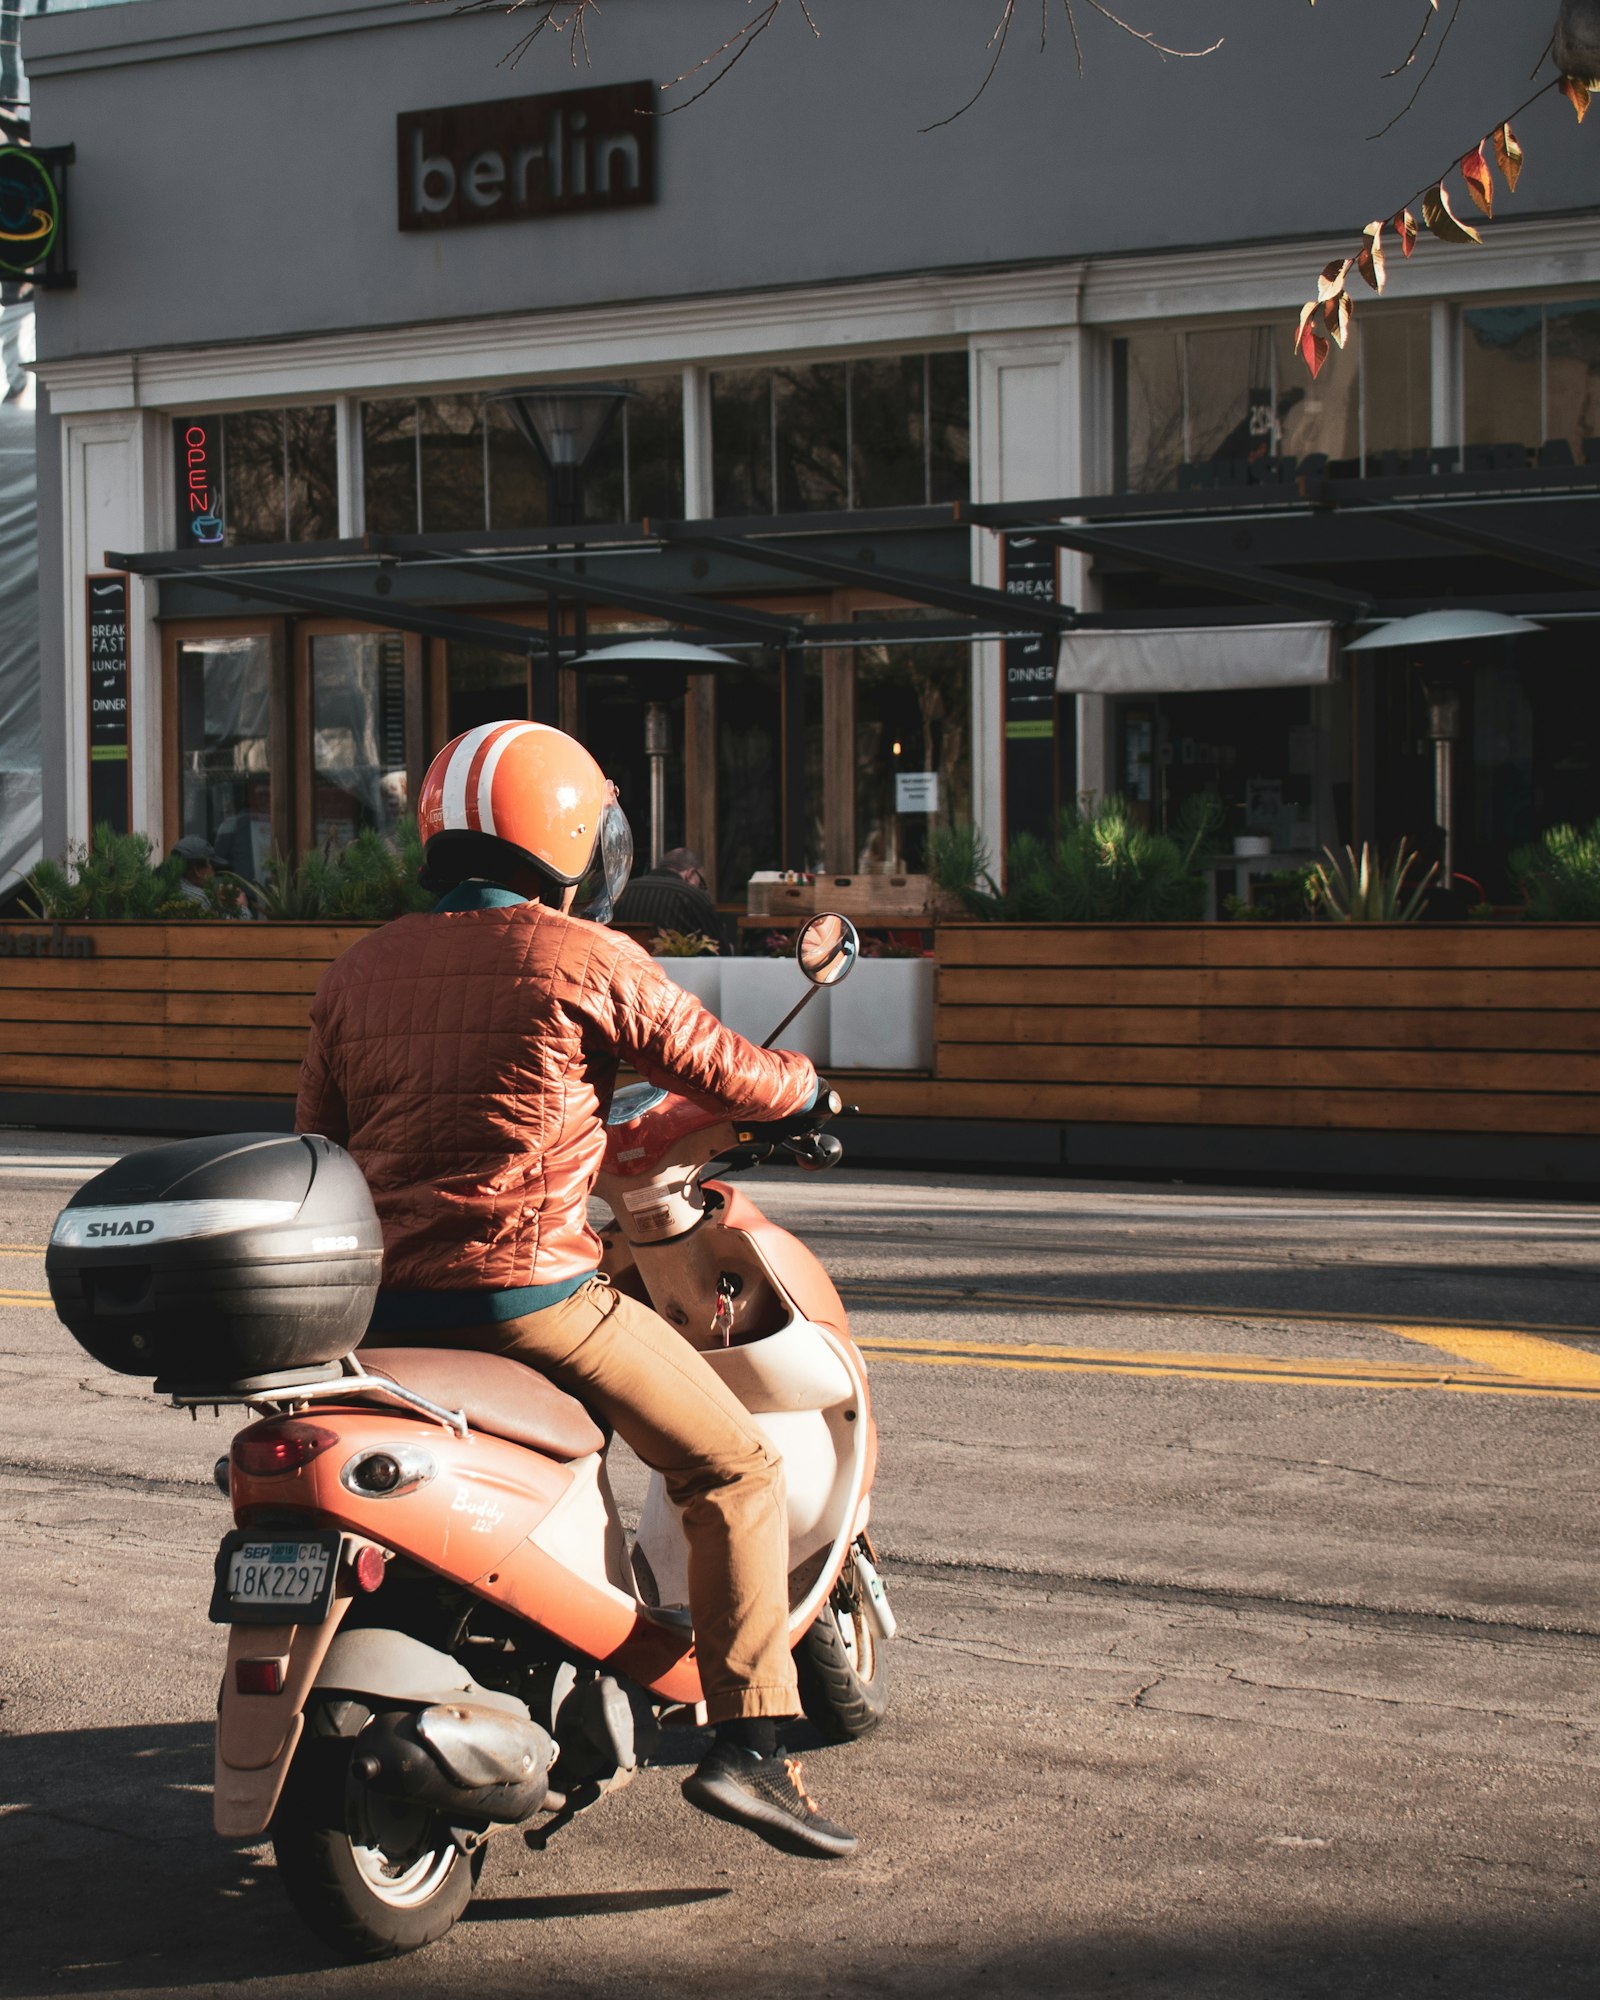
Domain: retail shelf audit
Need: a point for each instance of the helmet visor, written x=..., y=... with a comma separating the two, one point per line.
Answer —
x=612, y=864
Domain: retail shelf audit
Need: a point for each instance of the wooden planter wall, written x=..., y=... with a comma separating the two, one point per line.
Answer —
x=1391, y=1027
x=1405, y=1027
x=180, y=1010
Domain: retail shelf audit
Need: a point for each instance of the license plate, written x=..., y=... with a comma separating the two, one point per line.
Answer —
x=274, y=1579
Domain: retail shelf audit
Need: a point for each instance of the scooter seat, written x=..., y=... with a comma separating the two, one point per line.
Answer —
x=494, y=1394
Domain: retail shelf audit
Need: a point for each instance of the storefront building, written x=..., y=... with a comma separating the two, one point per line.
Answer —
x=315, y=244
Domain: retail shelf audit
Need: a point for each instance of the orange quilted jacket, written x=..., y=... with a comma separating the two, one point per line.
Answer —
x=467, y=1058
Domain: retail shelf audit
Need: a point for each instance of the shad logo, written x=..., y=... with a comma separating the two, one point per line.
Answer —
x=125, y=1227
x=485, y=1513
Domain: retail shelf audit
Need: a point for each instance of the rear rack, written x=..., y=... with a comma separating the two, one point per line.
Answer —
x=297, y=1388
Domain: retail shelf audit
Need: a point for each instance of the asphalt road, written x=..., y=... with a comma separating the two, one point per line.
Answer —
x=1244, y=1549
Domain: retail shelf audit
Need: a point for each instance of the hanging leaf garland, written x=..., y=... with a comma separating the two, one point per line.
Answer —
x=1480, y=183
x=1442, y=219
x=1328, y=315
x=1311, y=343
x=1370, y=263
x=1508, y=156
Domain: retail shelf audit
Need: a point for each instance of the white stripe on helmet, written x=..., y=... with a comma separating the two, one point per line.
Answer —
x=486, y=775
x=453, y=803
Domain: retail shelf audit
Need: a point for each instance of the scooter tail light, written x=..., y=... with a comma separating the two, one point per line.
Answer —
x=280, y=1445
x=258, y=1676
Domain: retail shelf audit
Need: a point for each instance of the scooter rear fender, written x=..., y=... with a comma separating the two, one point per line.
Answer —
x=257, y=1734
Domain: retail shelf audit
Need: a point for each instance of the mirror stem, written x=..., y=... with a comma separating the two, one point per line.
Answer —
x=805, y=1000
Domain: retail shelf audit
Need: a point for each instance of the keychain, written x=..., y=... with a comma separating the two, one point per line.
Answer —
x=722, y=1318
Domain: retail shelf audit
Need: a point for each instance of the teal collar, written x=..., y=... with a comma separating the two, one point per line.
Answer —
x=478, y=896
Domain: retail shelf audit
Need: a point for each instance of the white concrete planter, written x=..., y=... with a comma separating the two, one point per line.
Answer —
x=700, y=976
x=758, y=992
x=881, y=1016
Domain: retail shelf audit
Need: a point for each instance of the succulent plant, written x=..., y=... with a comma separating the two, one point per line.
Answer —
x=1365, y=889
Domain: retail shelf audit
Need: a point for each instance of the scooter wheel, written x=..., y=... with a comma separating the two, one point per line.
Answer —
x=372, y=1877
x=844, y=1678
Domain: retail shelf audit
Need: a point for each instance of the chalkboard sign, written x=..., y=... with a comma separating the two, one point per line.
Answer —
x=110, y=801
x=1030, y=694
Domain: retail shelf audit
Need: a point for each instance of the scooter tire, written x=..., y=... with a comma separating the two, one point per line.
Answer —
x=844, y=1677
x=370, y=1878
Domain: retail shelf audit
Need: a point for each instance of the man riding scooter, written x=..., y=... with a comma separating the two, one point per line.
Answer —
x=466, y=1059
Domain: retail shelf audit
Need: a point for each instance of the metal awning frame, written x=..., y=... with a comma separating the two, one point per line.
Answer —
x=546, y=572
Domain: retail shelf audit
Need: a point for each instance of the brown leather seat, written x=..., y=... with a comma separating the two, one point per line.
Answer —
x=494, y=1394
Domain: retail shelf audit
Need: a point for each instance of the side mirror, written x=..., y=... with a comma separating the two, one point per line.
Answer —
x=826, y=948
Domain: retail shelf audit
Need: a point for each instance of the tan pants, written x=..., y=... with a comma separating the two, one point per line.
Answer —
x=664, y=1400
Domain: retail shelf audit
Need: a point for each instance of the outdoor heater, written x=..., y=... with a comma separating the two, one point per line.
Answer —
x=665, y=654
x=1437, y=628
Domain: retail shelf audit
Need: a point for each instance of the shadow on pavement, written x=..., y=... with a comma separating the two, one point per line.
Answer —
x=604, y=1903
x=112, y=1882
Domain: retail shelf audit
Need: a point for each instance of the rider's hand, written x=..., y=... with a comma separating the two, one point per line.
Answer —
x=825, y=1104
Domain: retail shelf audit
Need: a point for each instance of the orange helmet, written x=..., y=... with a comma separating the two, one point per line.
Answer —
x=507, y=793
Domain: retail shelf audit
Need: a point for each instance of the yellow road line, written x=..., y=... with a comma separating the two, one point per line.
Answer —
x=1511, y=1354
x=1227, y=1368
x=1167, y=1309
x=1499, y=1362
x=22, y=1249
x=1170, y=1358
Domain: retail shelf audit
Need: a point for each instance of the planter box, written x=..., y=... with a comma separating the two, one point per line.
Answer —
x=153, y=1010
x=700, y=976
x=1423, y=1028
x=1486, y=1028
x=881, y=1016
x=758, y=992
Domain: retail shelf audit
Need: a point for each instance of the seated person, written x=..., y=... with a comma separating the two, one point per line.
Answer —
x=672, y=896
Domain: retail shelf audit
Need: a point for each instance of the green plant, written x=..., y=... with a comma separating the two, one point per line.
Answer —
x=372, y=879
x=112, y=877
x=1102, y=867
x=958, y=859
x=295, y=893
x=683, y=944
x=1365, y=889
x=1288, y=897
x=1559, y=874
x=369, y=880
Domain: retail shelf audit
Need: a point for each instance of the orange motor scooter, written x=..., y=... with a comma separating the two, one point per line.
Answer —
x=438, y=1628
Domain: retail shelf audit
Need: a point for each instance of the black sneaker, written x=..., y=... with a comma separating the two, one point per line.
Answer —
x=767, y=1795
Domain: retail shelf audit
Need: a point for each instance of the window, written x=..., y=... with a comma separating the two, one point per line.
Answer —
x=1531, y=375
x=482, y=684
x=828, y=435
x=913, y=711
x=251, y=477
x=224, y=783
x=1231, y=396
x=358, y=735
x=452, y=464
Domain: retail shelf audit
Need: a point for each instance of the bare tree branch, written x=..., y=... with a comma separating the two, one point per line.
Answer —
x=997, y=41
x=1438, y=50
x=557, y=15
x=1428, y=20
x=560, y=15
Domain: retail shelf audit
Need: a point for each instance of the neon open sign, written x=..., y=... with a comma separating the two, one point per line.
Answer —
x=198, y=442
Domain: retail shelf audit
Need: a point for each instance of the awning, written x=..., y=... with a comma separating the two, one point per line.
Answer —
x=1194, y=659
